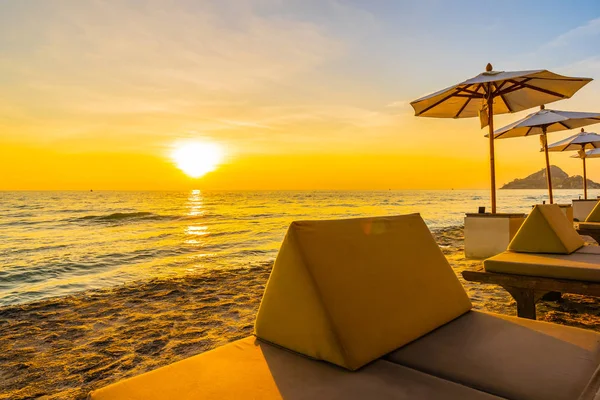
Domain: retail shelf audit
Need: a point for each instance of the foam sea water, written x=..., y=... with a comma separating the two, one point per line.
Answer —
x=60, y=243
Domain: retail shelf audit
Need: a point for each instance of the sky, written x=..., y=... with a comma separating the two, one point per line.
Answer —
x=299, y=94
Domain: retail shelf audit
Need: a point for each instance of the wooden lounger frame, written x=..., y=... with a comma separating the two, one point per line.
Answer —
x=593, y=233
x=527, y=290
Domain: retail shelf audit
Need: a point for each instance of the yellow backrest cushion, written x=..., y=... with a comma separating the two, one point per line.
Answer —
x=595, y=214
x=350, y=291
x=546, y=230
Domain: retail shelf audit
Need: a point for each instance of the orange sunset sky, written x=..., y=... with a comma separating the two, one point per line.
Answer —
x=295, y=94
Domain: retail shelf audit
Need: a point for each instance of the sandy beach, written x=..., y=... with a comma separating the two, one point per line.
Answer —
x=62, y=348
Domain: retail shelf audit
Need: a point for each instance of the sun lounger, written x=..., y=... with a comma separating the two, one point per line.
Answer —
x=252, y=369
x=581, y=265
x=546, y=255
x=371, y=309
x=528, y=290
x=591, y=226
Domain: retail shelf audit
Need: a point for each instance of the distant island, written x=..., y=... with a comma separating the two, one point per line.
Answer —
x=560, y=180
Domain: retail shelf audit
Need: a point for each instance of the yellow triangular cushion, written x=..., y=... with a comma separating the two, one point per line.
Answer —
x=546, y=230
x=595, y=214
x=350, y=291
x=291, y=308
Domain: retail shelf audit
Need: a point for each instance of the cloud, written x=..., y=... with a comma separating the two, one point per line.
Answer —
x=590, y=28
x=589, y=66
x=245, y=124
x=135, y=76
x=398, y=104
x=77, y=51
x=571, y=53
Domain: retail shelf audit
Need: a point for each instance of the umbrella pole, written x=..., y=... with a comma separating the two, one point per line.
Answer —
x=490, y=104
x=584, y=180
x=548, y=174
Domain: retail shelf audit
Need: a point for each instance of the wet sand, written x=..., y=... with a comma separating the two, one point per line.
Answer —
x=64, y=347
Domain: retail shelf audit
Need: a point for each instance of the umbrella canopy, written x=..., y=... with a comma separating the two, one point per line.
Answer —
x=497, y=92
x=545, y=121
x=542, y=122
x=515, y=91
x=579, y=142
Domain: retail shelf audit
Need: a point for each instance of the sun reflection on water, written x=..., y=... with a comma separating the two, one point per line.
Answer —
x=195, y=203
x=196, y=208
x=197, y=230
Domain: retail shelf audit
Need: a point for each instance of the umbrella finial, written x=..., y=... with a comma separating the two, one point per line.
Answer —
x=489, y=67
x=542, y=107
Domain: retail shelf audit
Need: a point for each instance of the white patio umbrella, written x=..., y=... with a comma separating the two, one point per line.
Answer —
x=542, y=122
x=580, y=143
x=497, y=92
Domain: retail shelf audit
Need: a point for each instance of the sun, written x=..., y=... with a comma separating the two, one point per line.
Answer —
x=196, y=159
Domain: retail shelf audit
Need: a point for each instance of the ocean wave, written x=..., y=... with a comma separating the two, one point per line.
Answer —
x=28, y=206
x=133, y=216
x=40, y=273
x=121, y=258
x=120, y=216
x=253, y=252
x=195, y=217
x=21, y=222
x=264, y=215
x=227, y=233
x=12, y=251
x=52, y=268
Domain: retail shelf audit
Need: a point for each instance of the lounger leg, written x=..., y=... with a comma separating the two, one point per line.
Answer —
x=525, y=299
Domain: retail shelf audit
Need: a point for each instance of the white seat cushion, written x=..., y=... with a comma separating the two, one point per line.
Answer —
x=509, y=357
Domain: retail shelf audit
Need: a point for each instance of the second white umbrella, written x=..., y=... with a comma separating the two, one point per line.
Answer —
x=542, y=122
x=580, y=143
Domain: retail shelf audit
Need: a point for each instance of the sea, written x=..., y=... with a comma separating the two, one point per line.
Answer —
x=61, y=243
